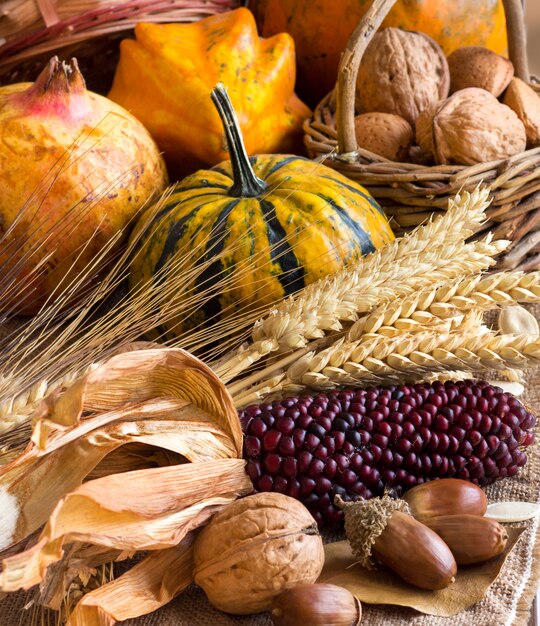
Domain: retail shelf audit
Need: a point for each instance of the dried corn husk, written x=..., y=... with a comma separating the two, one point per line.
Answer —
x=151, y=584
x=159, y=397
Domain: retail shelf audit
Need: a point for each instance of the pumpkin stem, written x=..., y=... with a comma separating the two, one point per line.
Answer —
x=246, y=183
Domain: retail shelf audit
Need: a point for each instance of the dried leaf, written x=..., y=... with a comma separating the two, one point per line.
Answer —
x=144, y=588
x=127, y=512
x=384, y=587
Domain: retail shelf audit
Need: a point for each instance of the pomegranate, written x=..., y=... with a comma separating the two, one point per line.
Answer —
x=75, y=168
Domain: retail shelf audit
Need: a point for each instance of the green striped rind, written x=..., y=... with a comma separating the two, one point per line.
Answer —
x=308, y=224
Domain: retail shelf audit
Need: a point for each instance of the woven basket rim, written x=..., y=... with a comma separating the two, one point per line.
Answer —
x=106, y=20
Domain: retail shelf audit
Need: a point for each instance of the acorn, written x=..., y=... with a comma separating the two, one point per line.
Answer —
x=381, y=530
x=415, y=553
x=447, y=496
x=471, y=539
x=317, y=605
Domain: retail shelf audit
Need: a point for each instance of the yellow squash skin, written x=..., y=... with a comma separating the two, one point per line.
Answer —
x=165, y=77
x=323, y=221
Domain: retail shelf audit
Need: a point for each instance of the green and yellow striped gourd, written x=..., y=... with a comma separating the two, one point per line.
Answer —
x=250, y=231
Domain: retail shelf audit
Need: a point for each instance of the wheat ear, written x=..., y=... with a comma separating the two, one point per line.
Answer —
x=412, y=358
x=448, y=301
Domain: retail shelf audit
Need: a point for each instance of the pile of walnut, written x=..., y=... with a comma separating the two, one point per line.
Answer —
x=416, y=105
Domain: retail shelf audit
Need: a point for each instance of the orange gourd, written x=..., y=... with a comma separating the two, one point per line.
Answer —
x=165, y=77
x=321, y=28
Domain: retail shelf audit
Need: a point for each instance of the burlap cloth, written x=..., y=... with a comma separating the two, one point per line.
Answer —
x=507, y=603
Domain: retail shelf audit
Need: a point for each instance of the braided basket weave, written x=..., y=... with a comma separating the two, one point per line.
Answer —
x=409, y=192
x=31, y=31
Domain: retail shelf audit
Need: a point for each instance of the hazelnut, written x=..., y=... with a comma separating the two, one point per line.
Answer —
x=471, y=126
x=385, y=134
x=402, y=72
x=474, y=66
x=525, y=102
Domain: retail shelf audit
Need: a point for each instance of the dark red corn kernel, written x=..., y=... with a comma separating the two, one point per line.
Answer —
x=380, y=441
x=271, y=440
x=289, y=467
x=286, y=446
x=280, y=484
x=326, y=423
x=307, y=485
x=408, y=429
x=304, y=421
x=316, y=468
x=474, y=437
x=416, y=442
x=257, y=427
x=386, y=458
x=267, y=418
x=285, y=425
x=340, y=424
x=293, y=489
x=330, y=445
x=397, y=460
x=481, y=449
x=321, y=453
x=304, y=461
x=272, y=463
x=265, y=483
x=349, y=477
x=339, y=439
x=316, y=429
x=354, y=437
x=465, y=421
x=441, y=423
x=254, y=471
x=376, y=453
x=252, y=446
x=299, y=437
x=330, y=468
x=348, y=448
x=444, y=442
x=311, y=443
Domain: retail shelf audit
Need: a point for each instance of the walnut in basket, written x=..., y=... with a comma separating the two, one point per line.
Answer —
x=474, y=66
x=401, y=72
x=469, y=127
x=526, y=104
x=385, y=134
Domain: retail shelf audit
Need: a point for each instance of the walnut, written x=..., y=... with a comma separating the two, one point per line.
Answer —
x=526, y=104
x=471, y=126
x=254, y=549
x=474, y=66
x=402, y=72
x=385, y=134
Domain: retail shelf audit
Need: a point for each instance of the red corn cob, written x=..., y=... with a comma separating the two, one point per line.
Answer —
x=356, y=443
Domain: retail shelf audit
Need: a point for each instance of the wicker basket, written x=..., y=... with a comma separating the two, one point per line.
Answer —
x=410, y=193
x=93, y=36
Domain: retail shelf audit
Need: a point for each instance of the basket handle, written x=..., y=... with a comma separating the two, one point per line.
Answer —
x=360, y=39
x=48, y=12
x=517, y=38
